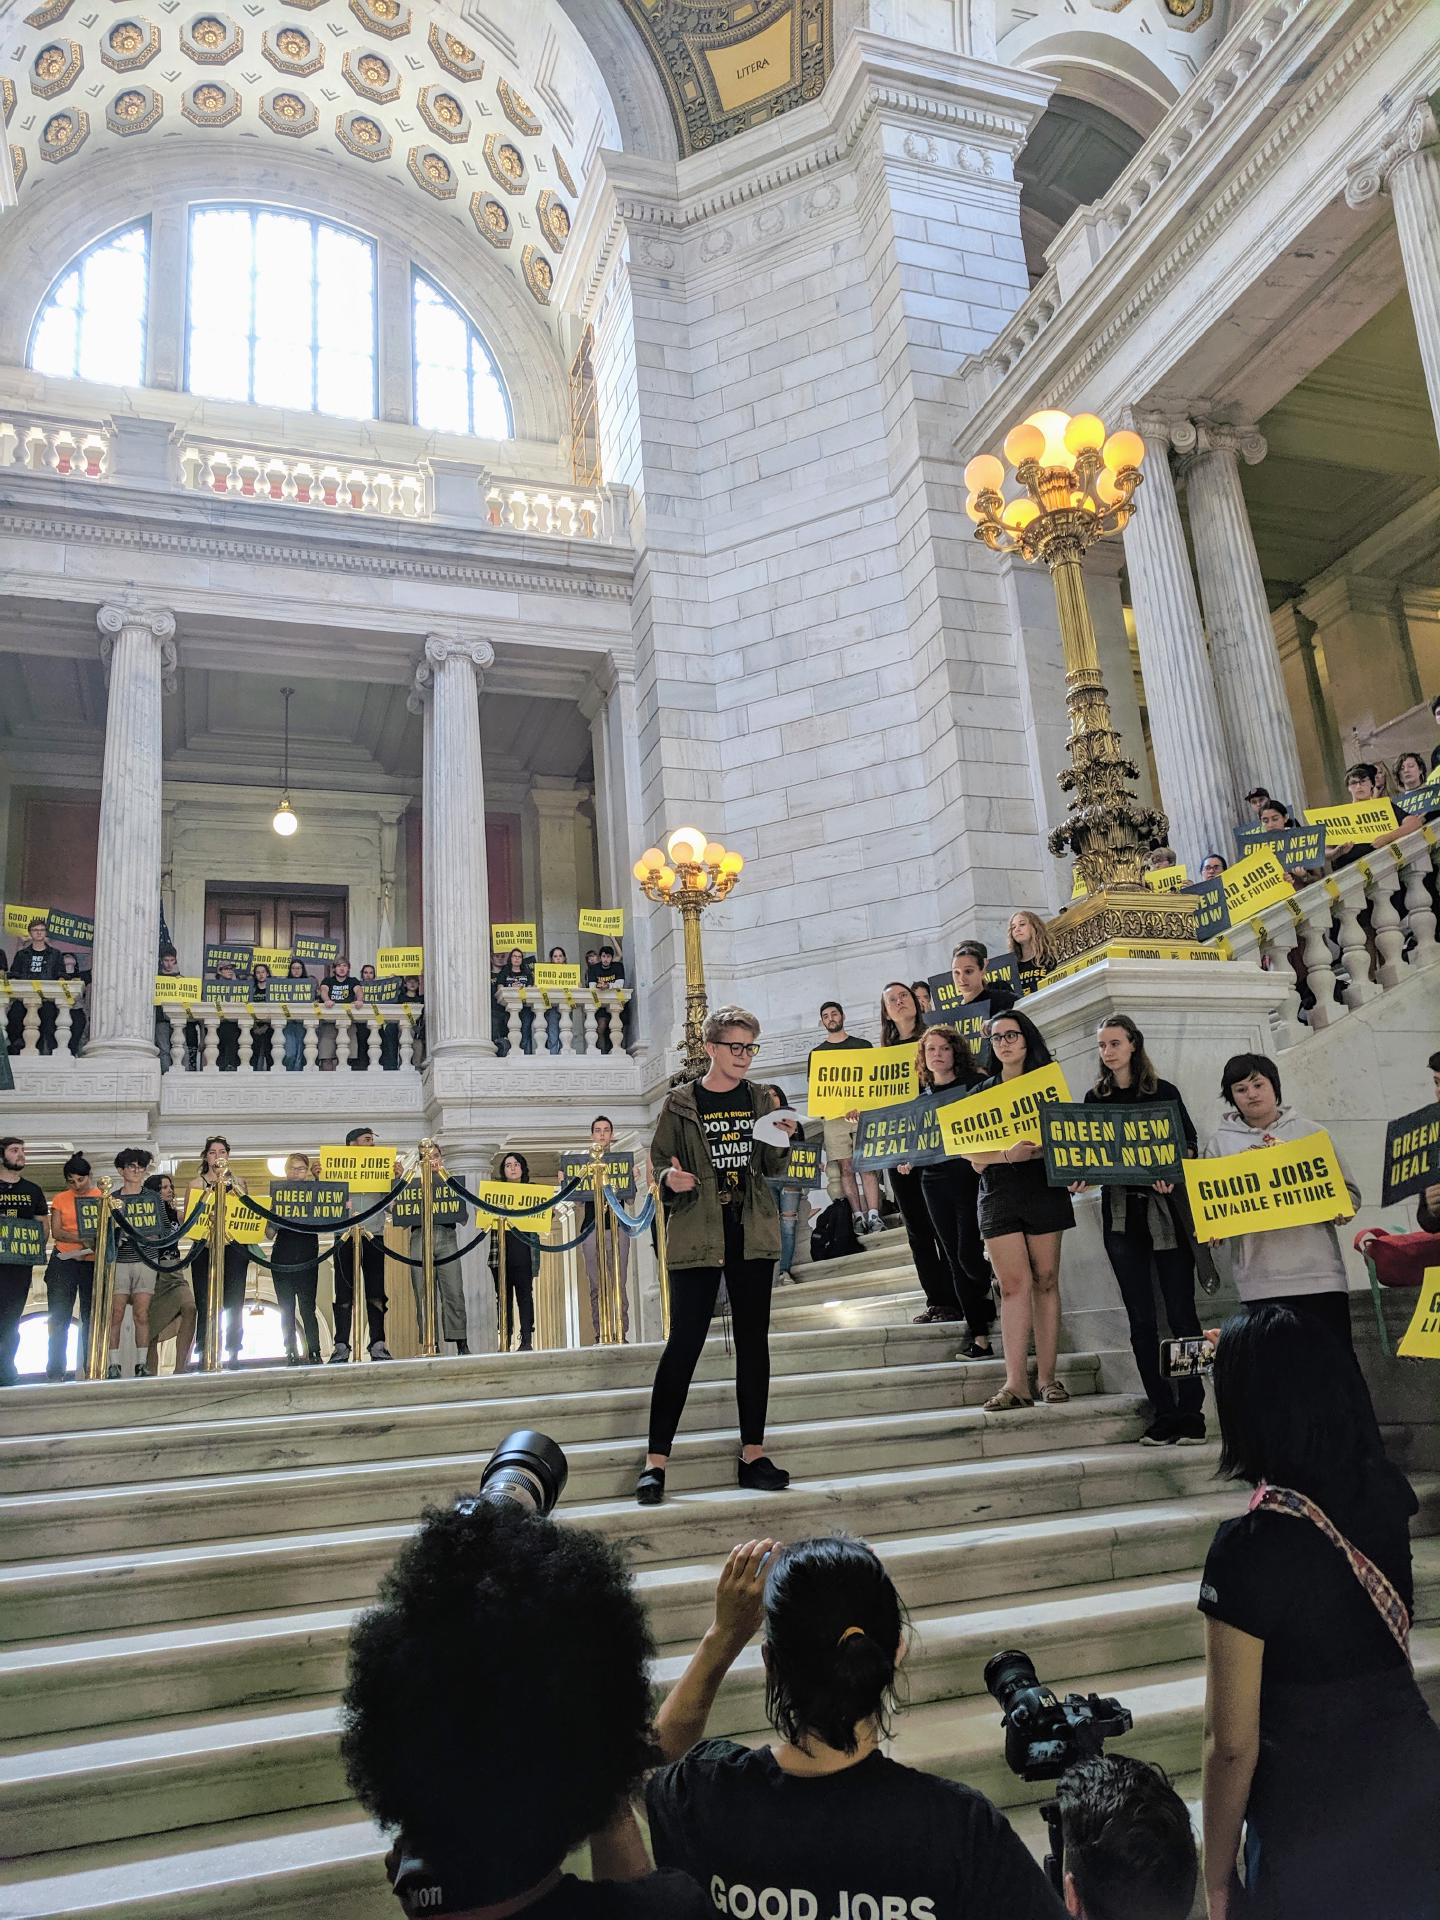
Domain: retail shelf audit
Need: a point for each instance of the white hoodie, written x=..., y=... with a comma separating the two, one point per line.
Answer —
x=1290, y=1260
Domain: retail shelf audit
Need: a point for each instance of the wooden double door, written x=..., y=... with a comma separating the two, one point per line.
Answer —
x=239, y=916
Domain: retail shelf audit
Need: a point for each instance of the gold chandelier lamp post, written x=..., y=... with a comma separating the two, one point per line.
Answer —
x=690, y=875
x=1070, y=483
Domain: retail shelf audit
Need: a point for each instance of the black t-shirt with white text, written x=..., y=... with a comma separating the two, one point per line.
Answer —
x=22, y=1200
x=878, y=1841
x=727, y=1121
x=658, y=1896
x=30, y=965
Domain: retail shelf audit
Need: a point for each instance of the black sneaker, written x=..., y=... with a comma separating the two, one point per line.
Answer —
x=650, y=1487
x=113, y=1373
x=1161, y=1434
x=1189, y=1432
x=763, y=1476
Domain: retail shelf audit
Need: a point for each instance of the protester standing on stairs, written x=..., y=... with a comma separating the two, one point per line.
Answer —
x=370, y=1275
x=295, y=1256
x=235, y=1261
x=901, y=1025
x=860, y=1191
x=1022, y=1218
x=951, y=1191
x=20, y=1199
x=721, y=1223
x=1149, y=1240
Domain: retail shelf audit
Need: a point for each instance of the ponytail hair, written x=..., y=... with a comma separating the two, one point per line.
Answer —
x=833, y=1627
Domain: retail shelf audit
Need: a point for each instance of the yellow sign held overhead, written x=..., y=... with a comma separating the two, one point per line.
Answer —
x=1253, y=884
x=1421, y=1339
x=505, y=935
x=1167, y=879
x=398, y=961
x=1354, y=820
x=844, y=1079
x=606, y=921
x=1003, y=1115
x=363, y=1169
x=515, y=1193
x=1295, y=1184
x=17, y=919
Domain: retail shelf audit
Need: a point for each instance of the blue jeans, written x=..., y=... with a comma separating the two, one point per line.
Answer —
x=788, y=1199
x=294, y=1045
x=552, y=1030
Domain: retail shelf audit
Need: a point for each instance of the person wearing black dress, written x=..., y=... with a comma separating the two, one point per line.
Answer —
x=1319, y=1746
x=522, y=1260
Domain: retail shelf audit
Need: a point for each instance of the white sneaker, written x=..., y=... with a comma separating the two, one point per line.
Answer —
x=874, y=1224
x=860, y=1226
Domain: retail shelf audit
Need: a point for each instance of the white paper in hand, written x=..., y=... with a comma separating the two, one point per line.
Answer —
x=770, y=1133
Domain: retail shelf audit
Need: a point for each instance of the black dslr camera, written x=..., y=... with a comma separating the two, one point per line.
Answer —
x=1045, y=1736
x=528, y=1469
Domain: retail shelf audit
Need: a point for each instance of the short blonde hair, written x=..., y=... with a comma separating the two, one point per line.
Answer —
x=724, y=1017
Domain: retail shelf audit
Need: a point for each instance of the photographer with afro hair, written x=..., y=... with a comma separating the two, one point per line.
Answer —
x=497, y=1713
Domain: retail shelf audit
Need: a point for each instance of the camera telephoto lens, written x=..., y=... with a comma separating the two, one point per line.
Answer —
x=1008, y=1675
x=529, y=1469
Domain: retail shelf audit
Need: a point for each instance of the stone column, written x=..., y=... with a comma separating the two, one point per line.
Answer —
x=1408, y=163
x=1249, y=684
x=457, y=909
x=1196, y=787
x=137, y=645
x=554, y=804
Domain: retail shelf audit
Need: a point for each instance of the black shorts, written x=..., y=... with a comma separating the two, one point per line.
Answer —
x=1018, y=1199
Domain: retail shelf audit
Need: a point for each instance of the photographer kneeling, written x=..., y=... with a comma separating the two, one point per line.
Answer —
x=497, y=1711
x=822, y=1823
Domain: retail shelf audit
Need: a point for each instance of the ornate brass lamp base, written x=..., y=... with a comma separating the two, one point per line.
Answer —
x=1134, y=915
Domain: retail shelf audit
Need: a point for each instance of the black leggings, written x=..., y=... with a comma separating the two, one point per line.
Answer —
x=924, y=1247
x=693, y=1292
x=297, y=1290
x=372, y=1276
x=952, y=1196
x=234, y=1268
x=1138, y=1265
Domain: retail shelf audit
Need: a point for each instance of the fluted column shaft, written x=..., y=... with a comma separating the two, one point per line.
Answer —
x=1249, y=685
x=1415, y=191
x=457, y=901
x=137, y=644
x=1196, y=789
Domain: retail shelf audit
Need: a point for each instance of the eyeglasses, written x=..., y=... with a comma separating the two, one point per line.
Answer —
x=742, y=1049
x=999, y=1039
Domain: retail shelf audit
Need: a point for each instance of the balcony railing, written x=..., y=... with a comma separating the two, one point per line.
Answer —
x=553, y=1016
x=337, y=485
x=41, y=446
x=42, y=1033
x=202, y=1038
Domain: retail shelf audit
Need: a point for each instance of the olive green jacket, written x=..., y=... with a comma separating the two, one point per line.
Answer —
x=695, y=1231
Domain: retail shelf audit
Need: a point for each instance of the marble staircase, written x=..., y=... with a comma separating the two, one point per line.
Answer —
x=180, y=1562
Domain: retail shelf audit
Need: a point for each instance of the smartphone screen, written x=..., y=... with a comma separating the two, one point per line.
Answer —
x=1185, y=1359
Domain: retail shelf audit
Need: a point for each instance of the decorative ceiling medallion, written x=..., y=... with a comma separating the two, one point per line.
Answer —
x=46, y=16
x=130, y=44
x=538, y=272
x=293, y=50
x=7, y=99
x=19, y=165
x=566, y=178
x=554, y=218
x=723, y=74
x=388, y=18
x=492, y=219
x=287, y=112
x=65, y=133
x=454, y=56
x=432, y=171
x=1190, y=13
x=55, y=67
x=211, y=104
x=443, y=113
x=506, y=163
x=134, y=110
x=364, y=136
x=371, y=75
x=211, y=39
x=517, y=111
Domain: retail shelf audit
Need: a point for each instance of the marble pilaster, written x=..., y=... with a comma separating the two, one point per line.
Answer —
x=557, y=904
x=1197, y=790
x=1249, y=684
x=137, y=644
x=457, y=910
x=1408, y=164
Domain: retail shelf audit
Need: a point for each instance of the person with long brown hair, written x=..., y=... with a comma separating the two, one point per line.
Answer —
x=901, y=1025
x=1030, y=948
x=951, y=1191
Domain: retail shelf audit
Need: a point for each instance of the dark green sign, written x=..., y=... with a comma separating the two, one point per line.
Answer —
x=228, y=993
x=311, y=1203
x=22, y=1242
x=802, y=1164
x=240, y=958
x=447, y=1209
x=1214, y=916
x=1295, y=847
x=292, y=993
x=310, y=948
x=74, y=927
x=384, y=993
x=619, y=1170
x=1412, y=1155
x=1424, y=799
x=889, y=1135
x=1106, y=1145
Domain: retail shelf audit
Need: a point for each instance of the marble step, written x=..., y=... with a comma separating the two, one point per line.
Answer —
x=270, y=1573
x=366, y=1388
x=130, y=1455
x=115, y=1677
x=220, y=1506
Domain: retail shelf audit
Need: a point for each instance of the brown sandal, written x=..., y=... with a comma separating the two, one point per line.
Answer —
x=1006, y=1402
x=1057, y=1394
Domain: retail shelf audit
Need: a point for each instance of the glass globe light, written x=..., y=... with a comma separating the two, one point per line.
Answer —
x=651, y=859
x=285, y=822
x=1019, y=514
x=1107, y=487
x=1024, y=443
x=714, y=853
x=974, y=512
x=1124, y=449
x=984, y=474
x=1052, y=423
x=1085, y=434
x=666, y=878
x=685, y=843
x=732, y=863
x=641, y=871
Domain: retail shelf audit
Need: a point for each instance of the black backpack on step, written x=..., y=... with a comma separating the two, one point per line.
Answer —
x=833, y=1234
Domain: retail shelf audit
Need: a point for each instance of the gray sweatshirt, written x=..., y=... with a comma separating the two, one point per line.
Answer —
x=1291, y=1260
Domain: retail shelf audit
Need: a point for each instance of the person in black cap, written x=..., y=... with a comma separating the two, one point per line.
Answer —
x=372, y=1273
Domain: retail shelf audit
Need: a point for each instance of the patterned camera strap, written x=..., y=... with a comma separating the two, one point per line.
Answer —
x=1381, y=1589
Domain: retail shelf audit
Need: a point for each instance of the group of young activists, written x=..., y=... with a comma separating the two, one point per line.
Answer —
x=551, y=987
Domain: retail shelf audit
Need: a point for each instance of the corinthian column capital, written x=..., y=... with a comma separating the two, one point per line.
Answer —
x=131, y=614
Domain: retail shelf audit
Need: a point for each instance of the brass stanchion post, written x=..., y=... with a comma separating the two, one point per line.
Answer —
x=215, y=1279
x=502, y=1283
x=662, y=1259
x=602, y=1251
x=358, y=1303
x=429, y=1287
x=101, y=1288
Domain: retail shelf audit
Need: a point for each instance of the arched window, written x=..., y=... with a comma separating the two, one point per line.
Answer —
x=281, y=311
x=458, y=388
x=92, y=325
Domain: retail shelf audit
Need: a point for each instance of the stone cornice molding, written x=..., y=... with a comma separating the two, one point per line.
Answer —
x=129, y=613
x=1052, y=346
x=1415, y=130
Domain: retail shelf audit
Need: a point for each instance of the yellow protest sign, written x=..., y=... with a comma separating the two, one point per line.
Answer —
x=363, y=1169
x=1078, y=888
x=515, y=1194
x=398, y=961
x=1295, y=1184
x=1421, y=1339
x=178, y=989
x=1167, y=879
x=1355, y=820
x=1003, y=1115
x=845, y=1078
x=17, y=919
x=557, y=979
x=507, y=934
x=243, y=1226
x=603, y=920
x=277, y=959
x=1253, y=884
